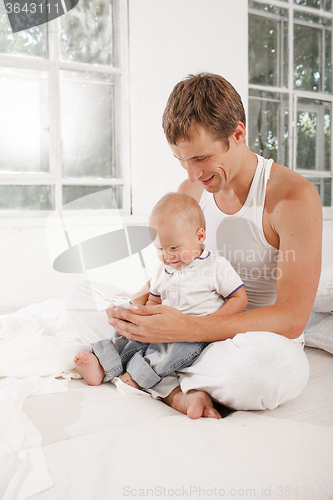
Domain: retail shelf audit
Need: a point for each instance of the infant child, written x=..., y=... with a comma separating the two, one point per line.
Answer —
x=190, y=279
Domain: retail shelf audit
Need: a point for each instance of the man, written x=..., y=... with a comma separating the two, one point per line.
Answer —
x=265, y=219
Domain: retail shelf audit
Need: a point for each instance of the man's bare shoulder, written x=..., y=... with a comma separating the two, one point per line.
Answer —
x=290, y=193
x=194, y=189
x=286, y=185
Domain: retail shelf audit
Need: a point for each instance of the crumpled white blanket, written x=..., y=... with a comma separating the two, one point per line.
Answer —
x=22, y=463
x=36, y=347
x=37, y=340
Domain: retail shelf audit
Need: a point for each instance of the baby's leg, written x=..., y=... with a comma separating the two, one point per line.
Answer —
x=89, y=367
x=127, y=379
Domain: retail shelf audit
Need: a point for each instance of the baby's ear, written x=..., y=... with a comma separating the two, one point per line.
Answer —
x=201, y=235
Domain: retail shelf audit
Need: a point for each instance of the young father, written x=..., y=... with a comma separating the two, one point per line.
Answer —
x=265, y=219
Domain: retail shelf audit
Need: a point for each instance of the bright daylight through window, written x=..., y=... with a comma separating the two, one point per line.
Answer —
x=62, y=109
x=290, y=87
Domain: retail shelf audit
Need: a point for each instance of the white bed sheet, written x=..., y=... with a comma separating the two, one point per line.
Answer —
x=93, y=443
x=103, y=445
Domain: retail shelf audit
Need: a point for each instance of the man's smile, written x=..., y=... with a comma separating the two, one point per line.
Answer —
x=208, y=181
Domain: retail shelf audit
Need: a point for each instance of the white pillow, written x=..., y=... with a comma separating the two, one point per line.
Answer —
x=324, y=298
x=319, y=331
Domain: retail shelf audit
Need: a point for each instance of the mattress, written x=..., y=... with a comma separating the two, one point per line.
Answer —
x=61, y=439
x=101, y=445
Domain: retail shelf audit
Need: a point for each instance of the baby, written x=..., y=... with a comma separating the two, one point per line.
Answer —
x=190, y=279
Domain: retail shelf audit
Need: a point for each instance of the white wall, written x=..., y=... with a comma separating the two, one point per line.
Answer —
x=168, y=39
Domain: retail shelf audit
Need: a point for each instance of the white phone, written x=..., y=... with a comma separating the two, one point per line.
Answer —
x=121, y=301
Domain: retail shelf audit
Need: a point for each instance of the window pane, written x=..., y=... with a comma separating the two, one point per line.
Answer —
x=87, y=124
x=309, y=3
x=313, y=135
x=104, y=200
x=268, y=47
x=26, y=198
x=268, y=125
x=86, y=33
x=31, y=42
x=324, y=188
x=316, y=4
x=265, y=7
x=311, y=33
x=285, y=61
x=328, y=60
x=24, y=120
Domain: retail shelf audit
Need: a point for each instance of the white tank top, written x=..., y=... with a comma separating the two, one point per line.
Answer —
x=240, y=239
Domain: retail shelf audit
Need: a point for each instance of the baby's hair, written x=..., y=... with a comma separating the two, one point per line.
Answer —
x=179, y=205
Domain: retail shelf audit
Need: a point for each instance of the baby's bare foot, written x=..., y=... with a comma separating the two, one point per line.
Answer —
x=127, y=379
x=89, y=367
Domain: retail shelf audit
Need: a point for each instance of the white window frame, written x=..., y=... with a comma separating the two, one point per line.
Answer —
x=294, y=95
x=122, y=127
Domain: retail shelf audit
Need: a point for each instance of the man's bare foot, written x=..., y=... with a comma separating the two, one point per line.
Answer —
x=195, y=404
x=89, y=367
x=127, y=379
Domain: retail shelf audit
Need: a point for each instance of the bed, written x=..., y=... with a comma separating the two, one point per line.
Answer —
x=62, y=439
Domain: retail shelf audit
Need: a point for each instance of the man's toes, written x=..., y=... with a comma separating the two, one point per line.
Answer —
x=195, y=408
x=211, y=413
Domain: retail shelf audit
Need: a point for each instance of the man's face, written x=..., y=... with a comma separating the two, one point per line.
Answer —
x=206, y=159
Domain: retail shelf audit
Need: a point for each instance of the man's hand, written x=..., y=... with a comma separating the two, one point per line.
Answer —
x=151, y=323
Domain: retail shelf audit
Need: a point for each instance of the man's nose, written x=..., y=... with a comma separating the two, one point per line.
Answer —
x=193, y=172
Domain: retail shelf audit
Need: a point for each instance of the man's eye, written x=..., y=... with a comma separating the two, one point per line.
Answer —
x=173, y=248
x=202, y=159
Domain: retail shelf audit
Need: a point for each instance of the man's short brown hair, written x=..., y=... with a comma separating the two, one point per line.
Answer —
x=205, y=99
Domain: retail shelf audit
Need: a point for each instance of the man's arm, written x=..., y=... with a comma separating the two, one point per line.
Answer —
x=295, y=215
x=297, y=220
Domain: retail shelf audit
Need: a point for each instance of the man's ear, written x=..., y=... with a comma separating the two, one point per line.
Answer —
x=239, y=133
x=201, y=235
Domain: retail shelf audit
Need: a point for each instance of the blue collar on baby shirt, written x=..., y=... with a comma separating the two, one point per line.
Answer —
x=205, y=254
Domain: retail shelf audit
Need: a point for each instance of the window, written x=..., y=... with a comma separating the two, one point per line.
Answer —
x=290, y=87
x=63, y=111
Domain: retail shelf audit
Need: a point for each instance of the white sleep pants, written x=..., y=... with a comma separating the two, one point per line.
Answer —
x=252, y=371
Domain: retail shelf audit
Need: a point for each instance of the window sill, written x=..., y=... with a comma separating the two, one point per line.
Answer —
x=77, y=218
x=87, y=218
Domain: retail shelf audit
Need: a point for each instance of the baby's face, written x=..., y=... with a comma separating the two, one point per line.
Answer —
x=178, y=245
